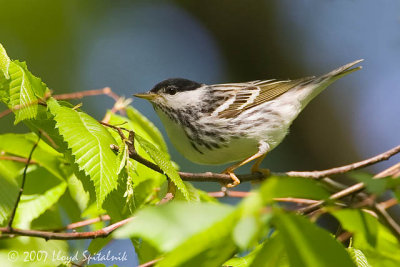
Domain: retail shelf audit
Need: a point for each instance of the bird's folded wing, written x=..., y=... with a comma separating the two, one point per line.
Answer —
x=252, y=94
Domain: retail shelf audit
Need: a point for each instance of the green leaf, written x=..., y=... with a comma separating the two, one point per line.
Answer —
x=90, y=144
x=162, y=160
x=195, y=194
x=384, y=253
x=8, y=187
x=142, y=172
x=279, y=187
x=32, y=206
x=39, y=87
x=373, y=186
x=245, y=232
x=77, y=192
x=22, y=97
x=308, y=245
x=210, y=247
x=145, y=128
x=116, y=204
x=4, y=62
x=238, y=262
x=45, y=123
x=39, y=246
x=144, y=250
x=97, y=244
x=123, y=157
x=272, y=253
x=21, y=145
x=358, y=257
x=360, y=223
x=167, y=226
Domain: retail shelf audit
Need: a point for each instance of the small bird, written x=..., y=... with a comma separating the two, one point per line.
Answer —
x=242, y=122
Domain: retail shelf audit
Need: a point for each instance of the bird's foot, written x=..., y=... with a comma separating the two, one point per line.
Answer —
x=235, y=180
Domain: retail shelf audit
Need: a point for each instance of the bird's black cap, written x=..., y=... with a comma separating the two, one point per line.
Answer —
x=178, y=84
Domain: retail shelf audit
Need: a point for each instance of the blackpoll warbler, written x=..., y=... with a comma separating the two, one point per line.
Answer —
x=221, y=123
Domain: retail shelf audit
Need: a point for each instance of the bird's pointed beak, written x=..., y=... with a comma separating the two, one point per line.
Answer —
x=148, y=96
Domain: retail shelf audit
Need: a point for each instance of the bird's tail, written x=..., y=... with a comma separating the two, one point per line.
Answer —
x=317, y=85
x=341, y=71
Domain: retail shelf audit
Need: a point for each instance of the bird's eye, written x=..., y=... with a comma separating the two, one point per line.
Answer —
x=170, y=90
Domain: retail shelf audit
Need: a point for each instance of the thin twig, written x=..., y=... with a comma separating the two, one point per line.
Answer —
x=51, y=141
x=346, y=168
x=78, y=95
x=389, y=203
x=21, y=190
x=65, y=236
x=150, y=263
x=229, y=193
x=301, y=201
x=18, y=159
x=388, y=220
x=170, y=195
x=350, y=190
x=83, y=223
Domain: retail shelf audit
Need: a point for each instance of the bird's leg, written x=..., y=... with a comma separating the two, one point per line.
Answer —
x=260, y=155
x=256, y=167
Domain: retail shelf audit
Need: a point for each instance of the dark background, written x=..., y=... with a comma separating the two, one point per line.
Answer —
x=132, y=45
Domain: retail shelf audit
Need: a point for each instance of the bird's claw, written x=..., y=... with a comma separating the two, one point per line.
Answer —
x=234, y=178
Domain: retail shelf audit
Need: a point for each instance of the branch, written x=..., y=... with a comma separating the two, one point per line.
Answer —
x=77, y=95
x=392, y=171
x=66, y=236
x=225, y=178
x=21, y=190
x=346, y=168
x=387, y=219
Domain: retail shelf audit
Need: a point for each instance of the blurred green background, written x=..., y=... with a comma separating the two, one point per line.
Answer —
x=132, y=45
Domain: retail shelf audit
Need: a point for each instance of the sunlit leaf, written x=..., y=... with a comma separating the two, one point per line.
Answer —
x=245, y=232
x=32, y=206
x=90, y=144
x=210, y=247
x=22, y=144
x=22, y=97
x=272, y=253
x=97, y=244
x=308, y=245
x=162, y=160
x=143, y=172
x=374, y=186
x=4, y=62
x=145, y=128
x=360, y=223
x=384, y=253
x=8, y=187
x=77, y=192
x=280, y=187
x=180, y=218
x=358, y=257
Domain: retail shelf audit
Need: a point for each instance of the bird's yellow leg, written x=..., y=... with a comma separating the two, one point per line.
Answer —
x=260, y=156
x=256, y=166
x=263, y=148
